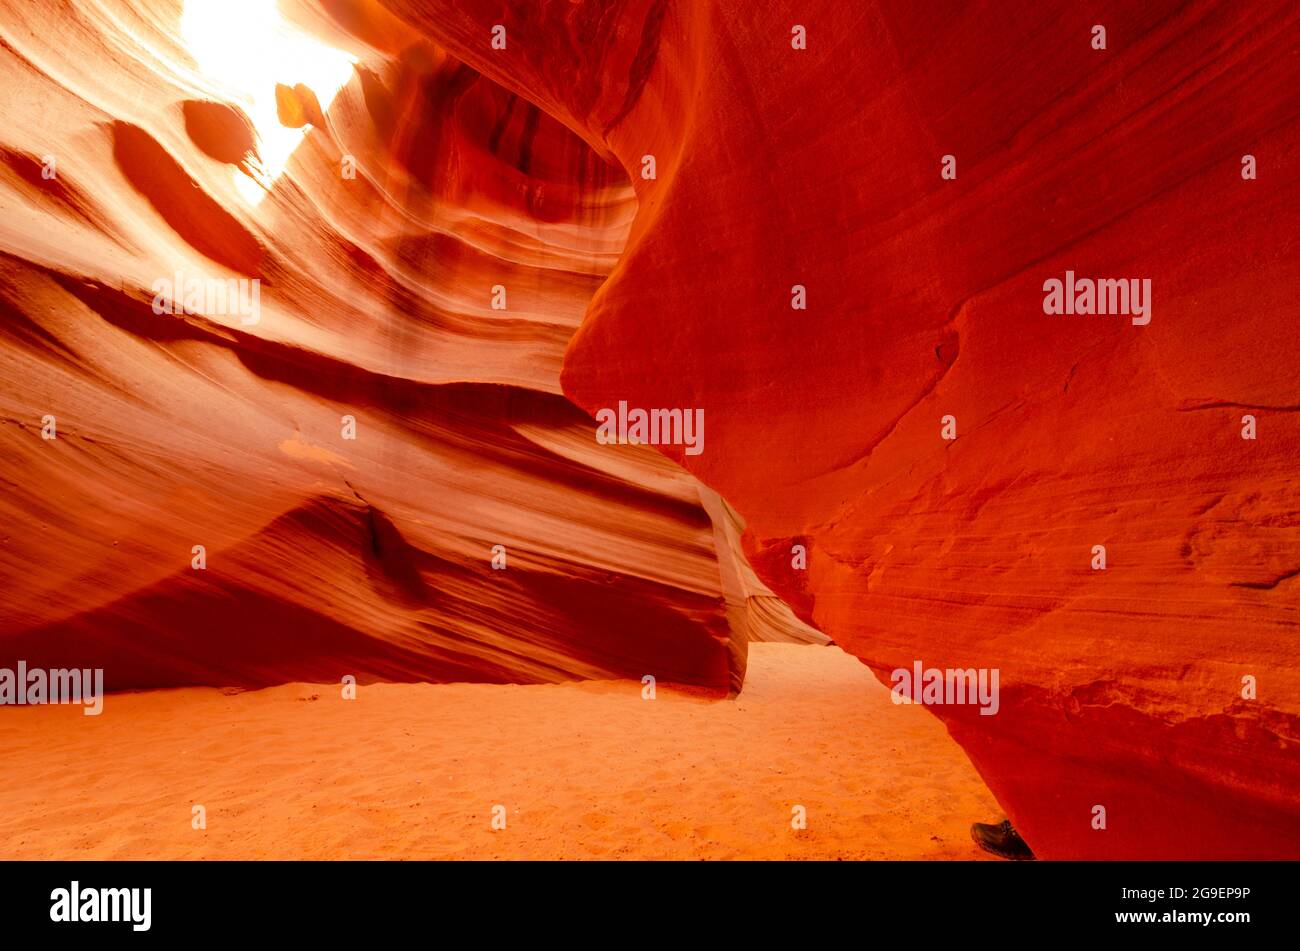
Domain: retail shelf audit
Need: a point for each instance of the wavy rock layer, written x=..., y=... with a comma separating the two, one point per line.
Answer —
x=1120, y=688
x=325, y=555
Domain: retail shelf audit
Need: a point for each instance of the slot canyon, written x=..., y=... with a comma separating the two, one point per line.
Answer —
x=474, y=227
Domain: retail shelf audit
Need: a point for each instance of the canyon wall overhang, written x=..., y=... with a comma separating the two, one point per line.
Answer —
x=1163, y=689
x=373, y=475
x=1158, y=695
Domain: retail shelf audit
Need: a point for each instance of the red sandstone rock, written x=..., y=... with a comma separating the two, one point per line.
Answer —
x=775, y=167
x=324, y=555
x=821, y=167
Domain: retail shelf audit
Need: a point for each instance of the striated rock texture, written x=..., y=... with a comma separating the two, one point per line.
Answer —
x=482, y=164
x=1120, y=688
x=473, y=529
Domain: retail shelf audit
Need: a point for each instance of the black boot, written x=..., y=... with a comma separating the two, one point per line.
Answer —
x=1001, y=840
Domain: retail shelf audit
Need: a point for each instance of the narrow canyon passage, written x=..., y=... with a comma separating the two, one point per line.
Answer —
x=374, y=473
x=375, y=476
x=305, y=328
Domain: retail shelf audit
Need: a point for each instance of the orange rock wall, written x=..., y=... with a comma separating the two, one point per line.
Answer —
x=1123, y=687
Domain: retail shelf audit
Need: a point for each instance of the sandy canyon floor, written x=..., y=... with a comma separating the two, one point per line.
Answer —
x=584, y=770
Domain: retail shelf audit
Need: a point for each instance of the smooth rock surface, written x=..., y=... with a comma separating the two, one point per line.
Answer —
x=1120, y=688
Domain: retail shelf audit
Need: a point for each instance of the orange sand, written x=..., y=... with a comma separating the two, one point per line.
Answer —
x=585, y=770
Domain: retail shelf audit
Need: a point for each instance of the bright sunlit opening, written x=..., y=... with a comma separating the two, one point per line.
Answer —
x=246, y=46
